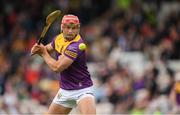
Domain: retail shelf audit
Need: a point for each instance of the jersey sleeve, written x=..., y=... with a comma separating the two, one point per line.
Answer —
x=72, y=51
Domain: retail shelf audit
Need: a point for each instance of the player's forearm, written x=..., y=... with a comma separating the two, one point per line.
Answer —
x=52, y=63
x=49, y=48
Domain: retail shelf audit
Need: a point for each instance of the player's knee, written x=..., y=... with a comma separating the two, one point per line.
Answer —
x=87, y=105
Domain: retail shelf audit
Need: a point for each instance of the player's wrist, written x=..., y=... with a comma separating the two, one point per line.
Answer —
x=44, y=53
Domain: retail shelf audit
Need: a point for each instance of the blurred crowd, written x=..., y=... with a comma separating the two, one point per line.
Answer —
x=133, y=50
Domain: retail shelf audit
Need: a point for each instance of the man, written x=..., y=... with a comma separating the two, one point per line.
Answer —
x=75, y=82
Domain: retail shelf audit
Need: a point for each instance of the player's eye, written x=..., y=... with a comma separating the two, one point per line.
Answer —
x=71, y=26
x=68, y=27
x=75, y=27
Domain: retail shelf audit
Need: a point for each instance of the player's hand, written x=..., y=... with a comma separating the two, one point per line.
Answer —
x=38, y=49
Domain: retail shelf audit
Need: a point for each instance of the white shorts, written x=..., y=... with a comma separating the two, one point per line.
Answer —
x=70, y=98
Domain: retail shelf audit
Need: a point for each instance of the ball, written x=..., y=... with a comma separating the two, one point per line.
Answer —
x=82, y=46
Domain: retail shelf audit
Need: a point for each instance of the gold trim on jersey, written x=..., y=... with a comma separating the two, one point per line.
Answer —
x=70, y=53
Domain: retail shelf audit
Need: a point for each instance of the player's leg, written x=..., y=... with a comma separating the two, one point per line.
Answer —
x=58, y=109
x=86, y=104
x=60, y=103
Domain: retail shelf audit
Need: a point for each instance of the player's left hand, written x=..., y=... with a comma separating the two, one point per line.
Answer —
x=38, y=49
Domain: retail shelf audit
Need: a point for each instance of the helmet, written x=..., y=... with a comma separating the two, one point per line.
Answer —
x=67, y=19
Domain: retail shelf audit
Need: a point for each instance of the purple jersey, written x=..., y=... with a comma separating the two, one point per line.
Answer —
x=76, y=76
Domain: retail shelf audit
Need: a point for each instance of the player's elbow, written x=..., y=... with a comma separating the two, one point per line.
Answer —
x=56, y=70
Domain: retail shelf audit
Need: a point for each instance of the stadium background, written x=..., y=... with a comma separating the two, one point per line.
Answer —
x=133, y=54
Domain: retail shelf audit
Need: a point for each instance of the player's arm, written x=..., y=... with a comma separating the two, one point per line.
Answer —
x=65, y=60
x=57, y=65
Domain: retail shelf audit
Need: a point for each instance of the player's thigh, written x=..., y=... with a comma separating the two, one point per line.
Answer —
x=86, y=105
x=58, y=109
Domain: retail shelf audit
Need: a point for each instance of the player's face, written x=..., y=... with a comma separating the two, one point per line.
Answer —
x=70, y=30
